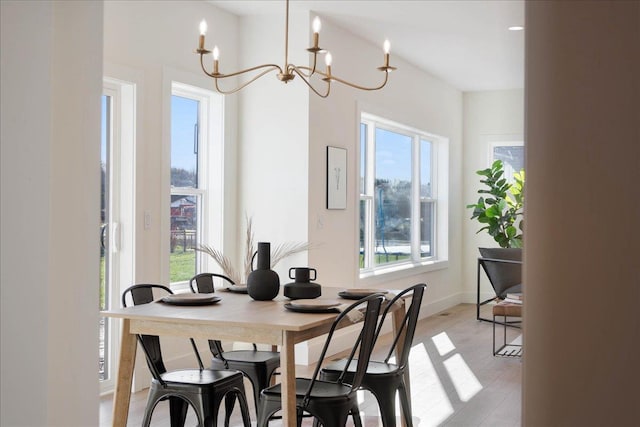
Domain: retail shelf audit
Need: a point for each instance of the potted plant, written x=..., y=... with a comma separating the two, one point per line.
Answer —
x=500, y=206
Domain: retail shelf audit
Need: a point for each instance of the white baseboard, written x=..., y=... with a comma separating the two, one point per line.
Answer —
x=470, y=297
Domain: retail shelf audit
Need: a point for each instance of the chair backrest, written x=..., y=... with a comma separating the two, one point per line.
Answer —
x=406, y=330
x=503, y=267
x=143, y=294
x=364, y=343
x=203, y=282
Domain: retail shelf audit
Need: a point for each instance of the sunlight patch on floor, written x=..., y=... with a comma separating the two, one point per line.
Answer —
x=463, y=379
x=443, y=343
x=429, y=403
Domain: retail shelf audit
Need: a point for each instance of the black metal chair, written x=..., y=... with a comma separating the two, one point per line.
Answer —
x=383, y=379
x=257, y=365
x=503, y=267
x=330, y=402
x=203, y=389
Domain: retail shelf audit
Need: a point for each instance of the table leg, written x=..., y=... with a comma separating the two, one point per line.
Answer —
x=288, y=379
x=398, y=319
x=122, y=394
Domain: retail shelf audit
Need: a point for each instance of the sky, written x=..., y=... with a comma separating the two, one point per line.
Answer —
x=184, y=115
x=393, y=150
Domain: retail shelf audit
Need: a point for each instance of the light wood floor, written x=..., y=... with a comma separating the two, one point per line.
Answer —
x=455, y=379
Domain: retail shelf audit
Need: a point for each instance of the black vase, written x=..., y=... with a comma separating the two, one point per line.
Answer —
x=263, y=283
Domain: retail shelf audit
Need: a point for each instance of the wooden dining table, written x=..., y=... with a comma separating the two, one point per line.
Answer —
x=236, y=317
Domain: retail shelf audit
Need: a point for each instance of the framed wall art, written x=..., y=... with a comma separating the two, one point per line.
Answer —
x=336, y=178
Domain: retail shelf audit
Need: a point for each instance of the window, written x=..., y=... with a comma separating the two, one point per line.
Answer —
x=194, y=151
x=512, y=156
x=399, y=204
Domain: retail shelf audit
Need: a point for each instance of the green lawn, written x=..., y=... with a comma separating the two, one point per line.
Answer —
x=182, y=264
x=182, y=268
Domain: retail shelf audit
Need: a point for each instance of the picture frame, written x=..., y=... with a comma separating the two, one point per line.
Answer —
x=336, y=178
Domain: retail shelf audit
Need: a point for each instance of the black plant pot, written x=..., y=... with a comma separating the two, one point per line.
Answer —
x=263, y=284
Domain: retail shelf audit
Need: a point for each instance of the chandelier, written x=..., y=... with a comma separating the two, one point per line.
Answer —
x=288, y=71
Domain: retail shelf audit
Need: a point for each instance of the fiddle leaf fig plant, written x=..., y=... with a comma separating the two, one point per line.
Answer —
x=500, y=206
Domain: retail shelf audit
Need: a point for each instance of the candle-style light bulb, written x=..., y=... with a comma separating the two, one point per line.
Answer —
x=386, y=47
x=316, y=35
x=216, y=55
x=203, y=31
x=327, y=60
x=317, y=25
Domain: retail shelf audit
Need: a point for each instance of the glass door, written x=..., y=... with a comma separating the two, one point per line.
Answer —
x=104, y=370
x=116, y=215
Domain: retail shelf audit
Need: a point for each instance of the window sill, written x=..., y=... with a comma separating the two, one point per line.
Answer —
x=399, y=271
x=180, y=287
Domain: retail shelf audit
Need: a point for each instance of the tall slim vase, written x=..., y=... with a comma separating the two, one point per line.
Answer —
x=263, y=284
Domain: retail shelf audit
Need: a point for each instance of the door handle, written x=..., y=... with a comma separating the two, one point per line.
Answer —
x=103, y=233
x=115, y=237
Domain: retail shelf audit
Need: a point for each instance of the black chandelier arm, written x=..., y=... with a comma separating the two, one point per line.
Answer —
x=303, y=77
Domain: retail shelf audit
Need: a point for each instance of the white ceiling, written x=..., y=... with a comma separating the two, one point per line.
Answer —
x=463, y=42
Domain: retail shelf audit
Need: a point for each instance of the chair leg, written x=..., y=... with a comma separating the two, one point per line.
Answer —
x=177, y=411
x=387, y=402
x=504, y=332
x=355, y=414
x=256, y=386
x=494, y=335
x=148, y=412
x=405, y=403
x=266, y=409
x=229, y=403
x=258, y=382
x=244, y=409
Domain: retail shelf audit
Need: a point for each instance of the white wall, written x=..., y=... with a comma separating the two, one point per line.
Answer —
x=412, y=97
x=492, y=116
x=273, y=118
x=581, y=320
x=51, y=85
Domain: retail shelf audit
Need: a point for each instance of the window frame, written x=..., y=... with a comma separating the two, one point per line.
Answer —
x=121, y=161
x=439, y=188
x=209, y=193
